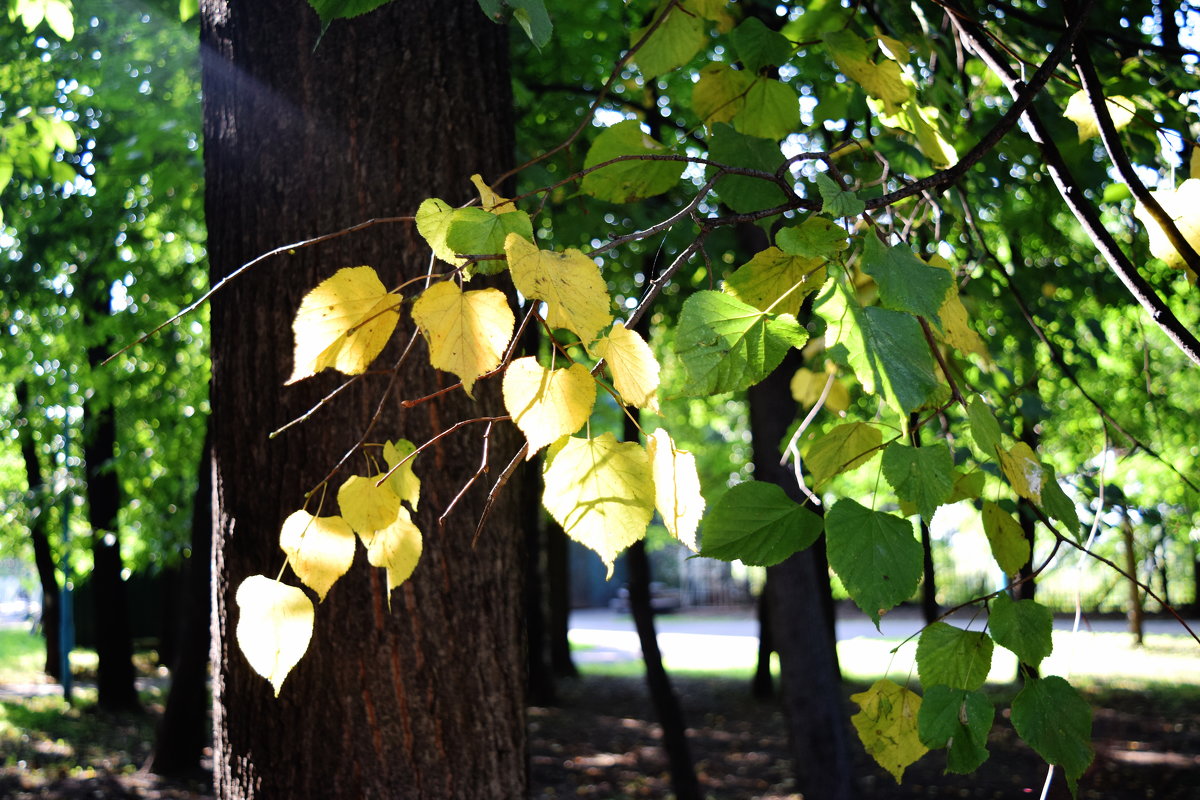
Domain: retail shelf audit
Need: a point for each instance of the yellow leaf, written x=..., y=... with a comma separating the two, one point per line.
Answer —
x=1023, y=471
x=343, y=323
x=404, y=482
x=807, y=387
x=1079, y=110
x=1009, y=546
x=883, y=81
x=320, y=549
x=601, y=492
x=1183, y=206
x=633, y=365
x=547, y=404
x=776, y=281
x=676, y=488
x=720, y=93
x=396, y=547
x=275, y=624
x=365, y=506
x=490, y=200
x=842, y=449
x=955, y=328
x=433, y=220
x=569, y=282
x=887, y=725
x=467, y=331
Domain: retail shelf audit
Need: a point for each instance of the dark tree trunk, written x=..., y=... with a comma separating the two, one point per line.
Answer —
x=542, y=690
x=662, y=695
x=929, y=603
x=1129, y=550
x=762, y=686
x=184, y=731
x=424, y=699
x=801, y=617
x=115, y=675
x=558, y=586
x=39, y=518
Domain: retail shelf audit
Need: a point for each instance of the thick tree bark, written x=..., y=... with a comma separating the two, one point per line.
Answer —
x=801, y=617
x=39, y=518
x=307, y=134
x=184, y=731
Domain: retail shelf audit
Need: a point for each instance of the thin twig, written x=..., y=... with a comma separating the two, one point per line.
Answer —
x=483, y=467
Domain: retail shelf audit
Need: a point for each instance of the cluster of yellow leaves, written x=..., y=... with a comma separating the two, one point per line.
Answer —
x=275, y=620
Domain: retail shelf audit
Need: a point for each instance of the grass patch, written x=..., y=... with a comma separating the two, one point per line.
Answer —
x=22, y=654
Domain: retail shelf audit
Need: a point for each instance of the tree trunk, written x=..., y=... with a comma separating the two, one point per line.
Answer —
x=1135, y=593
x=762, y=685
x=801, y=617
x=184, y=731
x=115, y=675
x=558, y=586
x=307, y=134
x=929, y=603
x=542, y=689
x=39, y=517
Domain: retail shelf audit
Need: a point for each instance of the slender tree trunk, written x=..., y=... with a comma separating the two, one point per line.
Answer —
x=762, y=685
x=307, y=134
x=929, y=603
x=1135, y=612
x=558, y=585
x=39, y=519
x=542, y=690
x=801, y=617
x=1195, y=578
x=184, y=731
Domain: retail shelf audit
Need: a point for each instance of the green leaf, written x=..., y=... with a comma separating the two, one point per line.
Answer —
x=627, y=181
x=906, y=283
x=887, y=352
x=673, y=43
x=531, y=15
x=775, y=282
x=758, y=46
x=329, y=10
x=727, y=346
x=882, y=80
x=968, y=486
x=1025, y=627
x=816, y=237
x=985, y=430
x=957, y=719
x=840, y=450
x=743, y=193
x=433, y=219
x=874, y=554
x=836, y=201
x=953, y=657
x=1009, y=545
x=188, y=9
x=1057, y=505
x=1056, y=722
x=473, y=231
x=758, y=524
x=771, y=110
x=921, y=475
x=887, y=725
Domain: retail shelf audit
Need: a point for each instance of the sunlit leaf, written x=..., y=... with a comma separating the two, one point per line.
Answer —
x=404, y=482
x=395, y=547
x=1079, y=110
x=720, y=93
x=874, y=554
x=320, y=549
x=953, y=657
x=632, y=363
x=1182, y=205
x=489, y=200
x=906, y=283
x=882, y=80
x=840, y=450
x=365, y=506
x=467, y=332
x=807, y=386
x=1009, y=545
x=634, y=179
x=433, y=218
x=672, y=44
x=776, y=282
x=473, y=231
x=275, y=624
x=1023, y=471
x=343, y=323
x=887, y=725
x=676, y=487
x=816, y=237
x=569, y=282
x=547, y=404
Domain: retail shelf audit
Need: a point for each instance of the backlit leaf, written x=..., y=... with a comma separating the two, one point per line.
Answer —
x=985, y=430
x=632, y=363
x=1056, y=722
x=632, y=180
x=758, y=524
x=1009, y=545
x=547, y=404
x=758, y=46
x=1057, y=505
x=874, y=554
x=275, y=624
x=882, y=80
x=601, y=492
x=343, y=323
x=1023, y=471
x=807, y=386
x=467, y=332
x=489, y=200
x=906, y=283
x=727, y=345
x=776, y=282
x=569, y=282
x=953, y=657
x=320, y=549
x=365, y=506
x=433, y=218
x=968, y=486
x=816, y=237
x=1183, y=206
x=921, y=475
x=745, y=193
x=672, y=44
x=1079, y=110
x=887, y=725
x=395, y=547
x=953, y=327
x=676, y=487
x=720, y=92
x=771, y=110
x=840, y=450
x=404, y=482
x=958, y=720
x=473, y=231
x=836, y=201
x=1025, y=627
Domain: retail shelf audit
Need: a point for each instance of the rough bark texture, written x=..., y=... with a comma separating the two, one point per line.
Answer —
x=801, y=629
x=38, y=518
x=423, y=699
x=184, y=731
